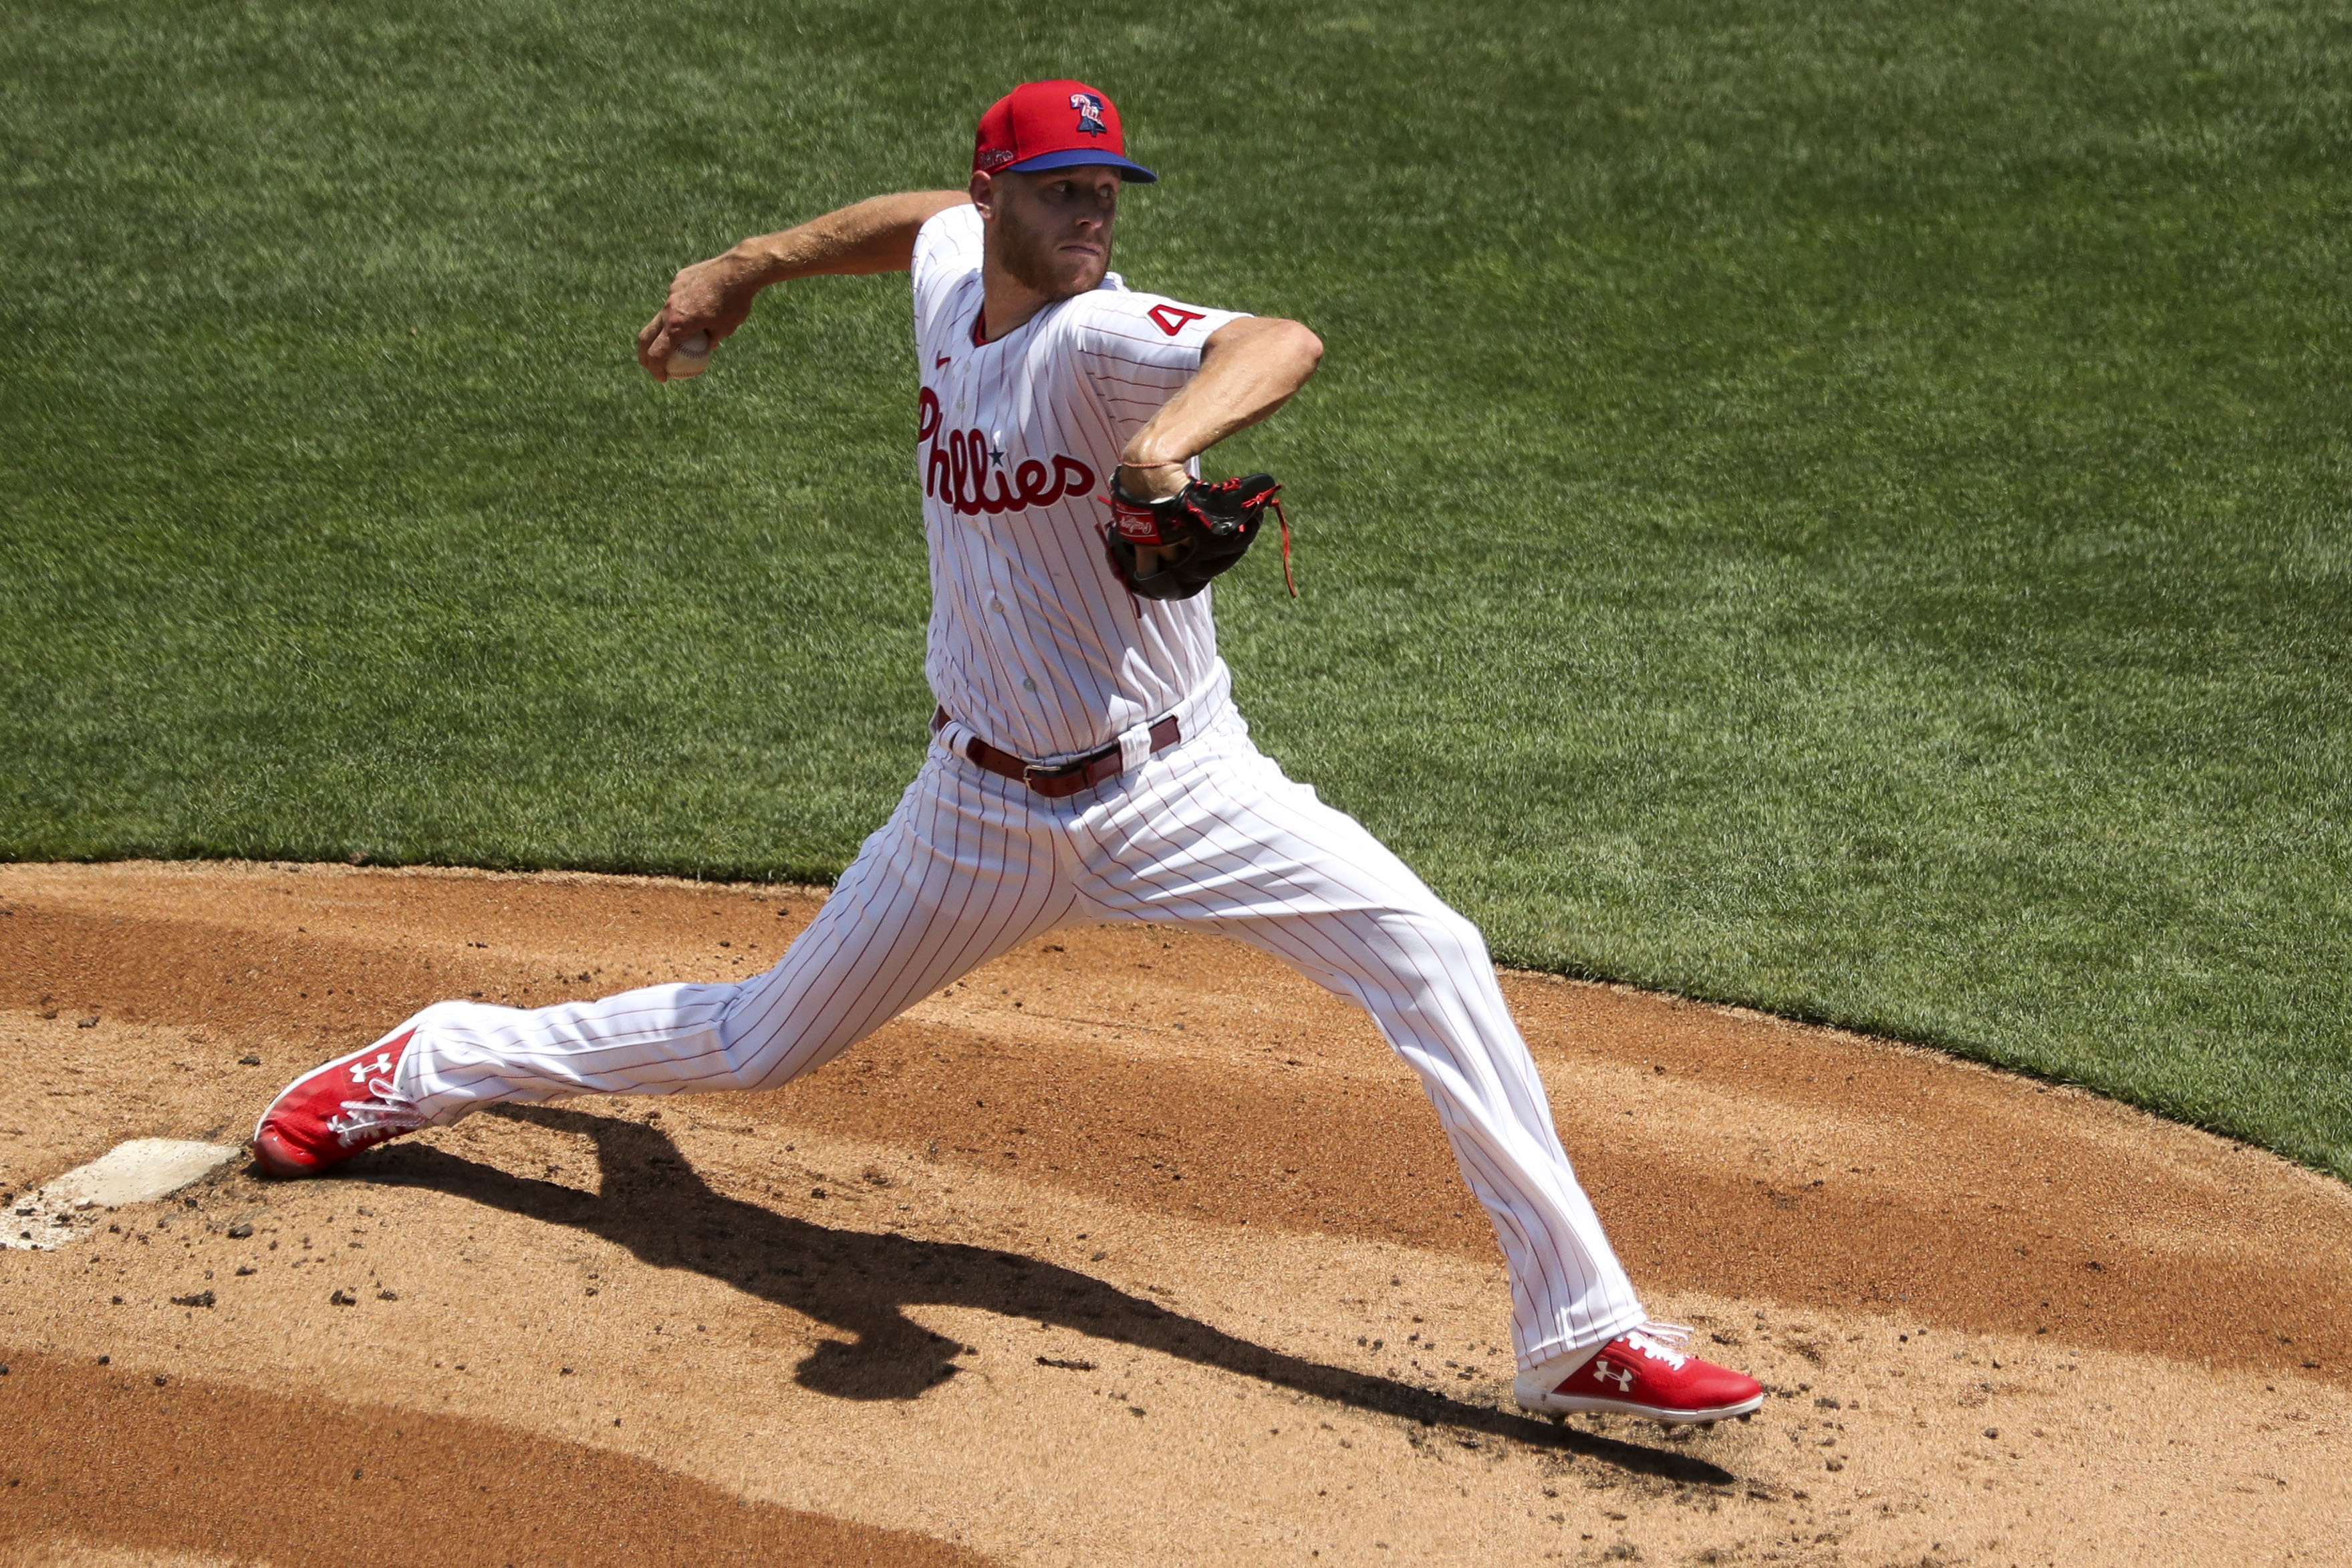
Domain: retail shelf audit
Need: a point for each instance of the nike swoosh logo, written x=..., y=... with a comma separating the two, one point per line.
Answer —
x=942, y=362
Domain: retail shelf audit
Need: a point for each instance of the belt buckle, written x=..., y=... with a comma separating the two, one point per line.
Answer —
x=1032, y=774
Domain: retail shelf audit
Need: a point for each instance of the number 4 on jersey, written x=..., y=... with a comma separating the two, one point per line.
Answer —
x=1172, y=319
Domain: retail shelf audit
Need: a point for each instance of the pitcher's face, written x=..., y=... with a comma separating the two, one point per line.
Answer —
x=1051, y=231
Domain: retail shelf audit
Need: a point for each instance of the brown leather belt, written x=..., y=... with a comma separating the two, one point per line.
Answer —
x=1060, y=779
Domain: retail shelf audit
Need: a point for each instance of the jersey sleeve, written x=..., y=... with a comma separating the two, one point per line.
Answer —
x=947, y=251
x=1135, y=349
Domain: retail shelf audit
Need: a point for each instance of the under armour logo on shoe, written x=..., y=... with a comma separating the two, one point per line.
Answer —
x=1622, y=1376
x=360, y=1070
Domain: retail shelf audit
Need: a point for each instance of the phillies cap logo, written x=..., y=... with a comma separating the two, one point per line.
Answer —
x=1090, y=108
x=995, y=158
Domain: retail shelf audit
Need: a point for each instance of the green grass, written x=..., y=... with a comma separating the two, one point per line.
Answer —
x=1838, y=507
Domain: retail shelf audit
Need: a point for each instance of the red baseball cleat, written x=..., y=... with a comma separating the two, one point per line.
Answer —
x=335, y=1111
x=1644, y=1372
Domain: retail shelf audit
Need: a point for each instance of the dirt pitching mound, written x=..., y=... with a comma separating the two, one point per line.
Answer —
x=1132, y=1247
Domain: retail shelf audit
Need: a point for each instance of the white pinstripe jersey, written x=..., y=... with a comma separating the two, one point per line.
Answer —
x=1036, y=643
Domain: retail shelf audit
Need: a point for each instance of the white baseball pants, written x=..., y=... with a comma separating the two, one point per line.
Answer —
x=1208, y=834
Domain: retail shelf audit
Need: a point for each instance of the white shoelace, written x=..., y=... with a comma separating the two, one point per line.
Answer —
x=1662, y=1342
x=384, y=1112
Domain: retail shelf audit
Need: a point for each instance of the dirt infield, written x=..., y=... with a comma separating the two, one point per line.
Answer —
x=1133, y=1248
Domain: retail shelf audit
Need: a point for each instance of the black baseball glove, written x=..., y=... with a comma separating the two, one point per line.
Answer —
x=1169, y=548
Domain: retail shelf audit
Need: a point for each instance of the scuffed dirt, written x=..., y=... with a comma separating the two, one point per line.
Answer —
x=1134, y=1248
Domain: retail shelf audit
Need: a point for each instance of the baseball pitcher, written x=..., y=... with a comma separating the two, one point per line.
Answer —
x=1086, y=761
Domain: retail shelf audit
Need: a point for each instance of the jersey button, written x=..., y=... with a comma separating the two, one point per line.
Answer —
x=996, y=605
x=1027, y=684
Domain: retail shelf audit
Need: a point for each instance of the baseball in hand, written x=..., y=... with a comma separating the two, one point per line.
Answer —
x=691, y=358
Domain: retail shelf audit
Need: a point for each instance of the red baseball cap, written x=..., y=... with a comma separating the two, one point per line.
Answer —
x=1052, y=125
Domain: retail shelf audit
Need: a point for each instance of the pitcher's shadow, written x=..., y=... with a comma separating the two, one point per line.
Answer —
x=653, y=1204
